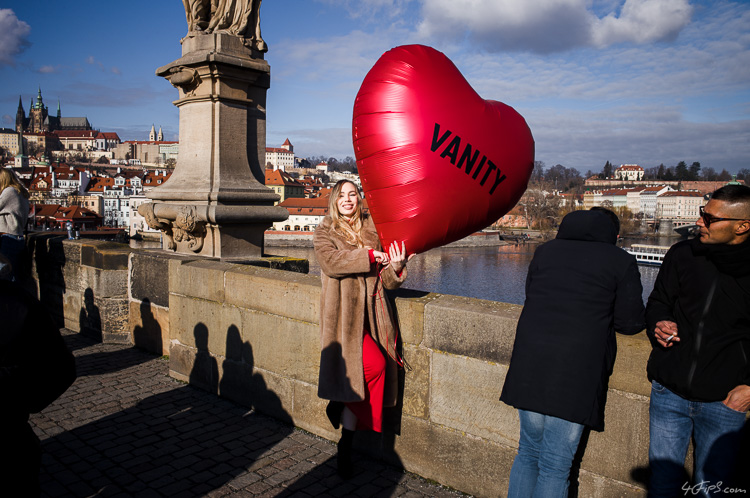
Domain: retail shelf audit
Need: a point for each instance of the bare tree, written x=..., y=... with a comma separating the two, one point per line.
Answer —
x=540, y=209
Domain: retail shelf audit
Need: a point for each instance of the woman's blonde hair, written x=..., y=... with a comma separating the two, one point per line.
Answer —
x=349, y=228
x=8, y=179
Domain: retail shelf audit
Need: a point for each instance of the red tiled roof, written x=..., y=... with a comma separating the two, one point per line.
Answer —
x=277, y=178
x=629, y=167
x=305, y=203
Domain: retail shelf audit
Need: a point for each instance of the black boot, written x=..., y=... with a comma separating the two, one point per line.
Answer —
x=344, y=456
x=333, y=410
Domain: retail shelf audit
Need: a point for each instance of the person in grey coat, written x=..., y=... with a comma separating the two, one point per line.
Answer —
x=580, y=289
x=14, y=212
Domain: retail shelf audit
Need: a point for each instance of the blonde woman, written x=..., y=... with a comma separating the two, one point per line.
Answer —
x=14, y=211
x=358, y=360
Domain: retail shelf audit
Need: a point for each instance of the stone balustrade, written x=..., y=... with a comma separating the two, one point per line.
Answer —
x=249, y=332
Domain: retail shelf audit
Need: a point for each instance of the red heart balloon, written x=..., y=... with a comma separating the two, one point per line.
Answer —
x=437, y=162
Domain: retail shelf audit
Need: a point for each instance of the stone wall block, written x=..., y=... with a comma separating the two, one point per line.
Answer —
x=594, y=486
x=103, y=283
x=198, y=368
x=114, y=313
x=149, y=327
x=71, y=269
x=471, y=327
x=70, y=310
x=205, y=325
x=623, y=446
x=286, y=347
x=409, y=311
x=455, y=459
x=104, y=255
x=630, y=367
x=416, y=400
x=203, y=279
x=465, y=395
x=277, y=292
x=309, y=411
x=149, y=275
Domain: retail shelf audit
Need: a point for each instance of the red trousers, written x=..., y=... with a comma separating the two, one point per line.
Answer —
x=369, y=411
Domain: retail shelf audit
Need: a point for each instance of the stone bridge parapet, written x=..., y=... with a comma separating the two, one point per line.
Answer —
x=249, y=332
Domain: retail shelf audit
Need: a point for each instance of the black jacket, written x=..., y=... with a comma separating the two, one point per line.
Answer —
x=580, y=289
x=705, y=289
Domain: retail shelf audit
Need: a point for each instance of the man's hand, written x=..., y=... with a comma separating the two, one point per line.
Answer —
x=666, y=333
x=738, y=398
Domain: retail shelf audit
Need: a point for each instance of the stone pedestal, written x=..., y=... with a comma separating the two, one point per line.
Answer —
x=215, y=203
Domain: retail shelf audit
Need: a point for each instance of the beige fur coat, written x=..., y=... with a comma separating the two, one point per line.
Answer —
x=351, y=286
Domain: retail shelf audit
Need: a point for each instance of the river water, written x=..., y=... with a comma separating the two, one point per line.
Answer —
x=492, y=273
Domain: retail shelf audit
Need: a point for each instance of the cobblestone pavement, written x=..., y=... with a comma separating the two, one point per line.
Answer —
x=125, y=428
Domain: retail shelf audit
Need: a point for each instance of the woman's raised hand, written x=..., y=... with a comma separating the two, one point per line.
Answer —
x=398, y=256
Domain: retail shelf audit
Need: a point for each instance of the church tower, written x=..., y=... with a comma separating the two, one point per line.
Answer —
x=152, y=134
x=20, y=117
x=160, y=136
x=37, y=115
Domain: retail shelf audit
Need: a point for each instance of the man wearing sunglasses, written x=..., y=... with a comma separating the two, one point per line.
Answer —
x=698, y=319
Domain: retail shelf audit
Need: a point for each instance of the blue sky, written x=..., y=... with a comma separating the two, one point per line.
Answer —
x=626, y=81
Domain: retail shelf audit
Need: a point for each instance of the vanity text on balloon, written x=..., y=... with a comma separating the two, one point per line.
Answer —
x=467, y=159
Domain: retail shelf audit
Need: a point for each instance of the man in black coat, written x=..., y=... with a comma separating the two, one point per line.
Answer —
x=699, y=324
x=580, y=289
x=35, y=369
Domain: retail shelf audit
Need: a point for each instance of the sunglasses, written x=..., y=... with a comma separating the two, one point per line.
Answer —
x=709, y=218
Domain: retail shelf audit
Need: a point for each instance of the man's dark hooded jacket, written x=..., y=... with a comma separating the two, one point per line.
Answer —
x=580, y=289
x=705, y=289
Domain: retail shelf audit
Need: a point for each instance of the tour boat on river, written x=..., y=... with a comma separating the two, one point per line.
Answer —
x=648, y=255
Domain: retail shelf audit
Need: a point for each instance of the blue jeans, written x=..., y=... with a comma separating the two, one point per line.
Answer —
x=545, y=454
x=673, y=421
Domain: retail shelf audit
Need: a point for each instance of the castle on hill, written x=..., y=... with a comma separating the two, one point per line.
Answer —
x=40, y=120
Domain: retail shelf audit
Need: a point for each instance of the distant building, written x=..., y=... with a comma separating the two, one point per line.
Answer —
x=679, y=205
x=313, y=186
x=284, y=185
x=153, y=179
x=304, y=214
x=648, y=199
x=280, y=158
x=56, y=216
x=11, y=142
x=77, y=140
x=107, y=140
x=154, y=153
x=629, y=172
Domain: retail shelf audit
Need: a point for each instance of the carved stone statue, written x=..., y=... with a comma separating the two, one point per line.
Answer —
x=235, y=17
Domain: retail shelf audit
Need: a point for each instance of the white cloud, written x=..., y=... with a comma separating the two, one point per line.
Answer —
x=547, y=26
x=8, y=119
x=13, y=33
x=47, y=69
x=643, y=21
